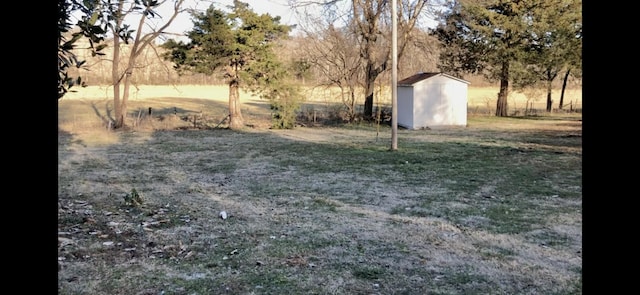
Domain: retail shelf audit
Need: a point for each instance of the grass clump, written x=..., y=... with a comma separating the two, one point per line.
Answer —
x=133, y=198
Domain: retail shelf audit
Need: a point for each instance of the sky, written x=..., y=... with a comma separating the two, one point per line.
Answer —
x=183, y=22
x=273, y=7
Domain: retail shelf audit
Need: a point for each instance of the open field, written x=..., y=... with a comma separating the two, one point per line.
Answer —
x=481, y=99
x=492, y=208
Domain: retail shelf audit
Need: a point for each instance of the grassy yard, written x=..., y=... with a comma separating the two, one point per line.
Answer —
x=491, y=208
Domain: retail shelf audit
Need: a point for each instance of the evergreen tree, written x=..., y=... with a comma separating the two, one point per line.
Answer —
x=488, y=37
x=239, y=46
x=556, y=43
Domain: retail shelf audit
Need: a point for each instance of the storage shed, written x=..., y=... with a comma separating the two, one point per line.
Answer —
x=432, y=100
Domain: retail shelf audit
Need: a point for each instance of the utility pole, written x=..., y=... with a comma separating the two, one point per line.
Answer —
x=394, y=75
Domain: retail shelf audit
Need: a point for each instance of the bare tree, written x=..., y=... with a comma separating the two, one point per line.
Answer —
x=372, y=22
x=338, y=63
x=115, y=14
x=421, y=54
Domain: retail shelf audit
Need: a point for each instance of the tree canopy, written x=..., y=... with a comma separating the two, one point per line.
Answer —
x=556, y=44
x=87, y=27
x=504, y=39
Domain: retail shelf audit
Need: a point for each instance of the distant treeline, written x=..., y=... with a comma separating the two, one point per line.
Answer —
x=153, y=70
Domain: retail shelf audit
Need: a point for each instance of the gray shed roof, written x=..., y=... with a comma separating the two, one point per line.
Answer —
x=409, y=81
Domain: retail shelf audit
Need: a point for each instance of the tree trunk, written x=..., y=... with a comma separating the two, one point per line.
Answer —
x=125, y=97
x=115, y=71
x=370, y=84
x=564, y=86
x=549, y=100
x=115, y=78
x=352, y=103
x=120, y=103
x=127, y=82
x=235, y=115
x=501, y=106
x=368, y=100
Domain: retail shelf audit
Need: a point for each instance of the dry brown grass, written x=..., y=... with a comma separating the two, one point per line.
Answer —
x=493, y=208
x=209, y=103
x=90, y=109
x=478, y=96
x=214, y=92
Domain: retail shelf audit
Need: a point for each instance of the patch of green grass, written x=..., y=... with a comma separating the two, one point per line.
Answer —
x=368, y=272
x=468, y=282
x=269, y=281
x=304, y=243
x=323, y=203
x=195, y=286
x=496, y=252
x=218, y=166
x=509, y=219
x=551, y=238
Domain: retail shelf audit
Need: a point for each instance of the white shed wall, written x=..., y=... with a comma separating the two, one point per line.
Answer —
x=436, y=101
x=455, y=92
x=405, y=107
